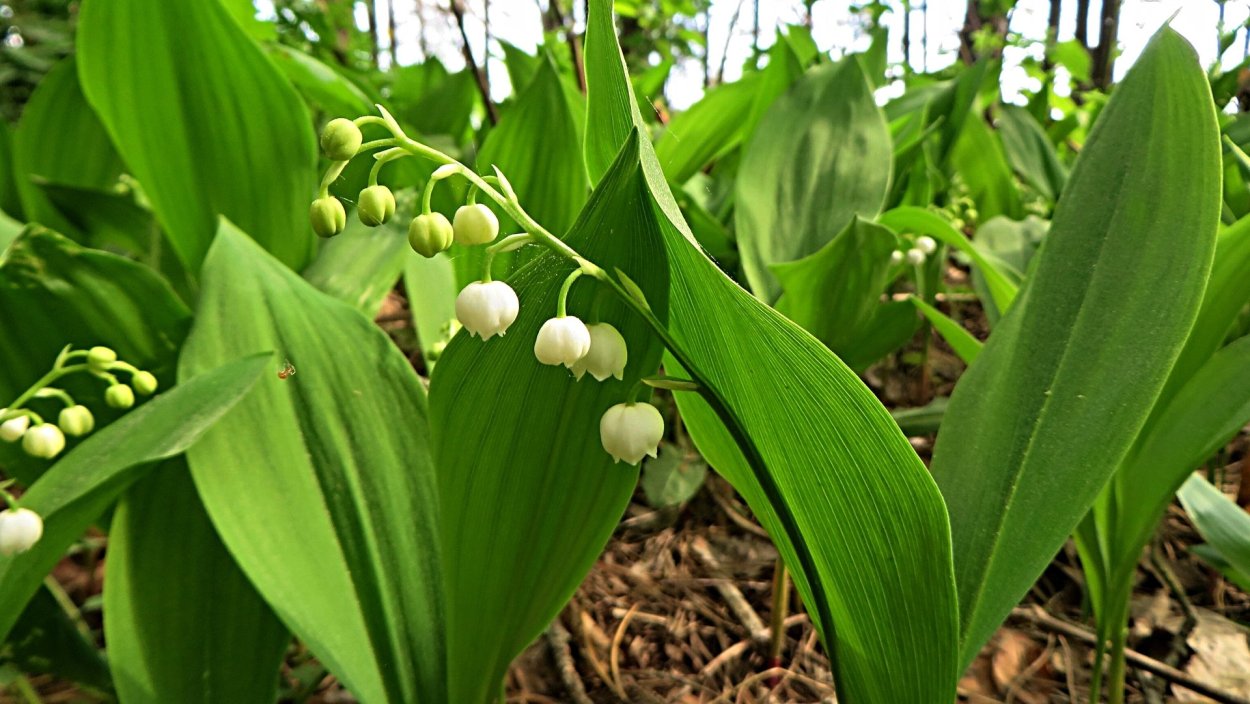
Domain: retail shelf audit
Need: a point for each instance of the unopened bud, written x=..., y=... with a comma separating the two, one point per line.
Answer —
x=429, y=234
x=341, y=139
x=375, y=206
x=327, y=216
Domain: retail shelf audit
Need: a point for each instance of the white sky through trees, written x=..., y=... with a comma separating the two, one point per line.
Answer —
x=834, y=28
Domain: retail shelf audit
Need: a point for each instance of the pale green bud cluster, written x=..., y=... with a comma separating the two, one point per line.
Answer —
x=46, y=440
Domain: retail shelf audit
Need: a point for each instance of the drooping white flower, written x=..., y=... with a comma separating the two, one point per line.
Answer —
x=926, y=244
x=20, y=529
x=607, y=356
x=896, y=257
x=487, y=308
x=631, y=431
x=915, y=256
x=44, y=441
x=563, y=340
x=13, y=429
x=475, y=224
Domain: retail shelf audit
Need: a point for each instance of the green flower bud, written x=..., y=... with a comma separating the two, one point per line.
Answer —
x=341, y=139
x=327, y=216
x=430, y=234
x=44, y=441
x=76, y=420
x=144, y=383
x=119, y=396
x=99, y=358
x=376, y=205
x=476, y=224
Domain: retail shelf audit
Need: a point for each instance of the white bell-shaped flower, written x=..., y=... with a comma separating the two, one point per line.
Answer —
x=44, y=441
x=13, y=429
x=896, y=257
x=607, y=356
x=487, y=308
x=926, y=244
x=563, y=340
x=631, y=431
x=20, y=529
x=915, y=256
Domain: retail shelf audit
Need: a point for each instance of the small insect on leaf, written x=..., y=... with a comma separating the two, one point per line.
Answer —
x=286, y=371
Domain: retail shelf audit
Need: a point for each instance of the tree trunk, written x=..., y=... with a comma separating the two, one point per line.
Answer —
x=1104, y=55
x=1052, y=32
x=1082, y=23
x=975, y=19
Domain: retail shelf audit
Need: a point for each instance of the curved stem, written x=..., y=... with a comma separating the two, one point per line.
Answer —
x=331, y=173
x=562, y=303
x=382, y=159
x=726, y=415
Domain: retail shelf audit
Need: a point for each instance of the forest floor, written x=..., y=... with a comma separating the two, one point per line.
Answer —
x=680, y=606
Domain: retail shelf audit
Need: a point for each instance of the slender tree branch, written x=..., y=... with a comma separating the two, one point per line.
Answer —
x=483, y=87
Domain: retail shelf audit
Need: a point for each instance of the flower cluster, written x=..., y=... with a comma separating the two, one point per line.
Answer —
x=917, y=253
x=487, y=308
x=46, y=440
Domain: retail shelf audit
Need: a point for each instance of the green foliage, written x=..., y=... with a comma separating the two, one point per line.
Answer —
x=351, y=564
x=1042, y=419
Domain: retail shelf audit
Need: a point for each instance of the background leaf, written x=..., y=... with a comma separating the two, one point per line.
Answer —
x=182, y=622
x=825, y=141
x=203, y=120
x=351, y=563
x=1054, y=401
x=81, y=485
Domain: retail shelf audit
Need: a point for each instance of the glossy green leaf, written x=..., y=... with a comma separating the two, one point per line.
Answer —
x=86, y=481
x=362, y=265
x=826, y=142
x=60, y=140
x=849, y=504
x=1066, y=381
x=783, y=69
x=960, y=340
x=182, y=622
x=536, y=145
x=835, y=292
x=1224, y=524
x=709, y=128
x=204, y=120
x=351, y=562
x=434, y=101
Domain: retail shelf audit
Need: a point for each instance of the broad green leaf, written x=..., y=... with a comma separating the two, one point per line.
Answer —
x=203, y=119
x=60, y=140
x=836, y=291
x=1212, y=406
x=431, y=288
x=924, y=420
x=434, y=101
x=611, y=109
x=960, y=340
x=86, y=481
x=1041, y=420
x=824, y=142
x=520, y=65
x=528, y=495
x=182, y=622
x=362, y=265
x=351, y=562
x=978, y=158
x=1224, y=524
x=1030, y=151
x=1073, y=56
x=320, y=84
x=1010, y=245
x=537, y=146
x=709, y=128
x=54, y=292
x=879, y=583
x=953, y=105
x=783, y=69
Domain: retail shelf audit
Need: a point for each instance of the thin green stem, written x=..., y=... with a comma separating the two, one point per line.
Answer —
x=377, y=144
x=54, y=374
x=382, y=159
x=53, y=392
x=507, y=244
x=331, y=173
x=563, y=301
